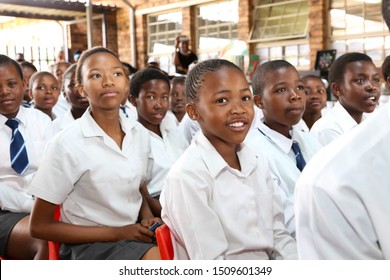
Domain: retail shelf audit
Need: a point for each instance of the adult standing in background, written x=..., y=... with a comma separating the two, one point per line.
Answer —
x=183, y=56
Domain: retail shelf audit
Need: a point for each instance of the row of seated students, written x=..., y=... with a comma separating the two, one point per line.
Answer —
x=196, y=153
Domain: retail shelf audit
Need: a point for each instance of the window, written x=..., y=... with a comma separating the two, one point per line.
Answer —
x=280, y=29
x=279, y=20
x=358, y=26
x=216, y=27
x=162, y=32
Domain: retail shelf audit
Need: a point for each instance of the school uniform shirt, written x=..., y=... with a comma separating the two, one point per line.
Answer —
x=170, y=120
x=36, y=129
x=63, y=121
x=217, y=212
x=342, y=197
x=282, y=162
x=96, y=182
x=335, y=123
x=61, y=106
x=129, y=110
x=165, y=151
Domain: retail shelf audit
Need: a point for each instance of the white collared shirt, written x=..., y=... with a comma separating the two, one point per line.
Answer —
x=36, y=129
x=217, y=212
x=96, y=181
x=63, y=121
x=342, y=197
x=282, y=163
x=336, y=122
x=165, y=151
x=170, y=121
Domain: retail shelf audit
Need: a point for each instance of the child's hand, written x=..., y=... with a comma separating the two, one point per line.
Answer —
x=146, y=223
x=136, y=232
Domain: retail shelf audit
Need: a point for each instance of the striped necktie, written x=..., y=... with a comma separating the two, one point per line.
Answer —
x=298, y=155
x=18, y=151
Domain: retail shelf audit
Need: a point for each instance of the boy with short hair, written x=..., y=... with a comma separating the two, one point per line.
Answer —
x=355, y=81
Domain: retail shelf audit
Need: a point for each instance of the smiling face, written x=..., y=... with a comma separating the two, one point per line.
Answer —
x=360, y=89
x=45, y=92
x=224, y=107
x=283, y=100
x=12, y=88
x=152, y=103
x=103, y=82
x=315, y=94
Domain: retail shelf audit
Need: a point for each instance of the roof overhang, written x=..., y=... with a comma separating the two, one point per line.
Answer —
x=49, y=9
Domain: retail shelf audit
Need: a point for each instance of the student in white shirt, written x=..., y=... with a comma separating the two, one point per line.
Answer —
x=342, y=197
x=78, y=103
x=149, y=90
x=219, y=200
x=94, y=169
x=279, y=92
x=177, y=103
x=355, y=81
x=15, y=203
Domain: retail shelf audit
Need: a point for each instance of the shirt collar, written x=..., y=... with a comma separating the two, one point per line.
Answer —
x=278, y=139
x=345, y=119
x=20, y=116
x=91, y=129
x=216, y=164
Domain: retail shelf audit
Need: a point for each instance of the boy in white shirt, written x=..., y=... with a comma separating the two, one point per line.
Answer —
x=279, y=91
x=149, y=89
x=219, y=200
x=355, y=81
x=35, y=128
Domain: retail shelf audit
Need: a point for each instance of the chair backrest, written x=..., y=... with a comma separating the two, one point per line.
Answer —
x=54, y=247
x=164, y=242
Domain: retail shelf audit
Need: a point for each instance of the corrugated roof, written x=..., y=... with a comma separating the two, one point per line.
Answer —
x=48, y=9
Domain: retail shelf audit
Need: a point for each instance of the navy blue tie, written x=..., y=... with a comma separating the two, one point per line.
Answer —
x=18, y=151
x=298, y=155
x=123, y=108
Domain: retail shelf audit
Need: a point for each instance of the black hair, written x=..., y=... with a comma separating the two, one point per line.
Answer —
x=129, y=69
x=29, y=65
x=178, y=80
x=68, y=72
x=195, y=76
x=88, y=53
x=259, y=77
x=36, y=75
x=5, y=60
x=338, y=67
x=311, y=76
x=144, y=75
x=386, y=68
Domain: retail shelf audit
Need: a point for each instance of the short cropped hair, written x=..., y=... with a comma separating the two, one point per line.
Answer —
x=195, y=76
x=178, y=80
x=338, y=67
x=5, y=60
x=88, y=53
x=36, y=75
x=144, y=75
x=259, y=77
x=386, y=68
x=24, y=64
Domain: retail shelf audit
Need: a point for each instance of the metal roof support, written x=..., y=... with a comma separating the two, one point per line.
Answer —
x=88, y=6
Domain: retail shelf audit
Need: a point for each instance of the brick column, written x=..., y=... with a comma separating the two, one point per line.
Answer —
x=317, y=28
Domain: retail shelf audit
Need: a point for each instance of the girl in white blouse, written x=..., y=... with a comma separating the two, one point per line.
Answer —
x=218, y=199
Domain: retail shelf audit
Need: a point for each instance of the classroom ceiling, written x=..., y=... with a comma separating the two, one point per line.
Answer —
x=49, y=9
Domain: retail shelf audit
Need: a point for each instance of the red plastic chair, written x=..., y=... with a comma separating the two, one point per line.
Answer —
x=164, y=242
x=54, y=247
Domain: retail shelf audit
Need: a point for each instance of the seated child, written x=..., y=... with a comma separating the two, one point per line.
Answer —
x=18, y=164
x=58, y=70
x=94, y=169
x=279, y=92
x=149, y=90
x=355, y=81
x=177, y=103
x=44, y=90
x=315, y=100
x=78, y=103
x=28, y=70
x=219, y=200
